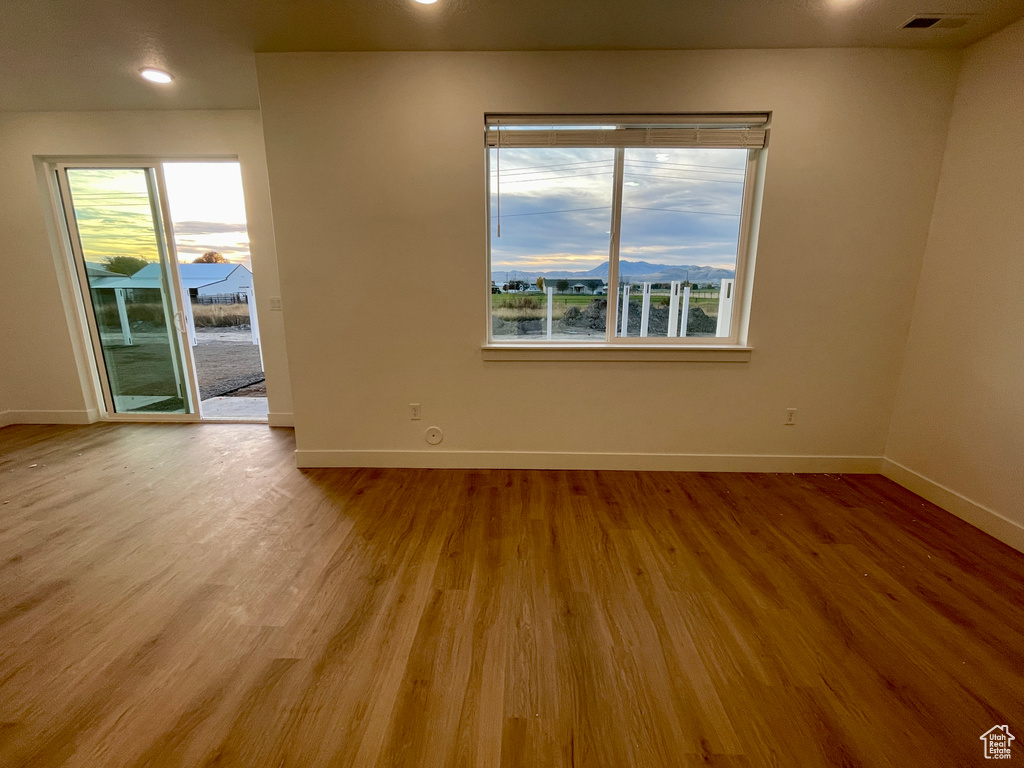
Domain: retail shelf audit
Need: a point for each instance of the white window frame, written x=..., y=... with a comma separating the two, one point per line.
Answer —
x=734, y=130
x=70, y=264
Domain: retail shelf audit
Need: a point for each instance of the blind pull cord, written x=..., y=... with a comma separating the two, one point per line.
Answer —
x=497, y=163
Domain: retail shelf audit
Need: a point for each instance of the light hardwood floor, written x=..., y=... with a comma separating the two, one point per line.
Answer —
x=181, y=595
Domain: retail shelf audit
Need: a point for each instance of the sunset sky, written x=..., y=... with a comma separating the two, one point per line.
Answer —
x=114, y=218
x=679, y=206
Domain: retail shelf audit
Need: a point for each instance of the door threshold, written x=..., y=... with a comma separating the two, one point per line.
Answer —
x=230, y=420
x=234, y=409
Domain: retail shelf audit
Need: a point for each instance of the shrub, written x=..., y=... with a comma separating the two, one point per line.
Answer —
x=522, y=302
x=125, y=265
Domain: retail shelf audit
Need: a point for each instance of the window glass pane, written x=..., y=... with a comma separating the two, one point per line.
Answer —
x=553, y=207
x=680, y=226
x=128, y=286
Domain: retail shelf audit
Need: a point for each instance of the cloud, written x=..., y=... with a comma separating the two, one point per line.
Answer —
x=548, y=262
x=199, y=249
x=194, y=238
x=556, y=204
x=186, y=228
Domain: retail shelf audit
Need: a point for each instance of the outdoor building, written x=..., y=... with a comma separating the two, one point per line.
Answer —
x=200, y=280
x=584, y=286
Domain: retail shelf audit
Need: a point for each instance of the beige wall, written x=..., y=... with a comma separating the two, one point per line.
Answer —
x=377, y=174
x=39, y=376
x=958, y=423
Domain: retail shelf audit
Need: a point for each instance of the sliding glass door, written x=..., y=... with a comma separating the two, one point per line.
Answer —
x=117, y=229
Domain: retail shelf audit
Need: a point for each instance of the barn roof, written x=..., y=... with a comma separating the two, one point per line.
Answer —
x=192, y=276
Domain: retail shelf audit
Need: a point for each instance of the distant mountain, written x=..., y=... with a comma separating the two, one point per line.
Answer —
x=634, y=271
x=630, y=268
x=693, y=274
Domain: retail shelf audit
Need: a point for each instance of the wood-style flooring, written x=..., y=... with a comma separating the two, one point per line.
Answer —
x=181, y=595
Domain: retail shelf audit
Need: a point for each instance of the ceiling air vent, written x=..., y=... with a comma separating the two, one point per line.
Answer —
x=937, y=21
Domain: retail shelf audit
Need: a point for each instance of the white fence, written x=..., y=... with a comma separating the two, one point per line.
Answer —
x=190, y=322
x=678, y=309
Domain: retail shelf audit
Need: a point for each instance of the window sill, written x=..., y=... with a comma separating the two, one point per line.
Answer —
x=645, y=353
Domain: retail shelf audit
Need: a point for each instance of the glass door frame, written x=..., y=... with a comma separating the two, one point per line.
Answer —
x=63, y=208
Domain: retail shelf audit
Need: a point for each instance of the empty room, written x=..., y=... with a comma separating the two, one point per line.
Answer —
x=469, y=383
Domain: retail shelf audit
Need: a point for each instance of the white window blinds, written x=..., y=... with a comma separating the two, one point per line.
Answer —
x=732, y=131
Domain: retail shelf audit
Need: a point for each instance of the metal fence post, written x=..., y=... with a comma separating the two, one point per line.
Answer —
x=645, y=312
x=725, y=299
x=550, y=295
x=625, y=309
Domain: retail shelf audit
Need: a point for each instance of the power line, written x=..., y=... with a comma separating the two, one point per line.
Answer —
x=639, y=170
x=654, y=163
x=542, y=168
x=659, y=163
x=555, y=178
x=681, y=210
x=683, y=178
x=629, y=207
x=634, y=172
x=566, y=210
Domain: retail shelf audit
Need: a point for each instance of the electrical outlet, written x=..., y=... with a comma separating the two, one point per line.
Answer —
x=790, y=417
x=275, y=303
x=414, y=412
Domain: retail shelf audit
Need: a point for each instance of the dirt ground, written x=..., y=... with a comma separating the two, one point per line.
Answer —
x=228, y=364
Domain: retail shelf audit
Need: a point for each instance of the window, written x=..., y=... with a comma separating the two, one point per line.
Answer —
x=619, y=230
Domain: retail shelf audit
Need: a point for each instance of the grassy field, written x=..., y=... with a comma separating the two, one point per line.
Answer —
x=710, y=306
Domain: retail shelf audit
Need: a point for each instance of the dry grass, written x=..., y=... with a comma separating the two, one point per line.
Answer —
x=206, y=315
x=530, y=313
x=516, y=307
x=220, y=315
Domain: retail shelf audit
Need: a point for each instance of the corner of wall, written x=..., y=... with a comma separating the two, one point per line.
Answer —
x=895, y=396
x=988, y=520
x=967, y=461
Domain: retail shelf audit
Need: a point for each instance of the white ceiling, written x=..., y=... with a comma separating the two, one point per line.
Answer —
x=85, y=54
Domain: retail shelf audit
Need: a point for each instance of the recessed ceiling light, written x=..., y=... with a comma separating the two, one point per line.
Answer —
x=426, y=2
x=156, y=75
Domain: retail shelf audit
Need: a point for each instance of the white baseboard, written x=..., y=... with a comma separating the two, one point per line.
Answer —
x=991, y=522
x=280, y=419
x=673, y=462
x=48, y=417
x=5, y=419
